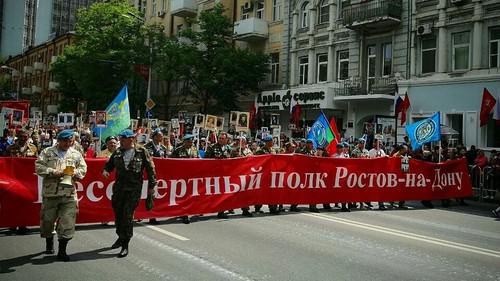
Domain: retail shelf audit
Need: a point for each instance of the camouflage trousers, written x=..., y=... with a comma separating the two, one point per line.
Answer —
x=60, y=209
x=124, y=203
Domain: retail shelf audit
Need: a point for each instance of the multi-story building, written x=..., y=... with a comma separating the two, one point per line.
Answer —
x=57, y=17
x=454, y=57
x=32, y=74
x=18, y=26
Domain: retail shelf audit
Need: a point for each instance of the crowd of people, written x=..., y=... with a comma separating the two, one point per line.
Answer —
x=163, y=144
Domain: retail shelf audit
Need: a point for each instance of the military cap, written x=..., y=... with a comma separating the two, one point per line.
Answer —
x=65, y=134
x=268, y=138
x=309, y=141
x=188, y=137
x=110, y=138
x=340, y=145
x=127, y=133
x=362, y=140
x=156, y=132
x=303, y=140
x=345, y=144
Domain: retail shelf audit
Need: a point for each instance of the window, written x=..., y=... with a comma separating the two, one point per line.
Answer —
x=494, y=44
x=276, y=10
x=324, y=12
x=387, y=59
x=343, y=65
x=455, y=121
x=260, y=10
x=322, y=71
x=461, y=50
x=163, y=6
x=371, y=62
x=304, y=15
x=244, y=15
x=303, y=70
x=153, y=8
x=275, y=68
x=428, y=56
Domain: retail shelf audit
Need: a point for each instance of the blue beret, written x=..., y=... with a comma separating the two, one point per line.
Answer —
x=339, y=145
x=310, y=141
x=188, y=137
x=268, y=138
x=156, y=132
x=126, y=134
x=65, y=134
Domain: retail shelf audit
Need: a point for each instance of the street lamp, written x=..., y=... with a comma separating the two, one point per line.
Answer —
x=18, y=79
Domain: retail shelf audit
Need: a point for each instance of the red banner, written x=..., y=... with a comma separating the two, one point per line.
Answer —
x=198, y=186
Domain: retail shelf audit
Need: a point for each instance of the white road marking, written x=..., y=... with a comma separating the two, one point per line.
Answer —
x=163, y=231
x=409, y=235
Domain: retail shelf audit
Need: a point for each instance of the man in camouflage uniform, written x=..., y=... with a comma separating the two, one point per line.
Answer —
x=22, y=148
x=219, y=150
x=130, y=161
x=156, y=148
x=240, y=149
x=184, y=151
x=267, y=149
x=361, y=152
x=59, y=201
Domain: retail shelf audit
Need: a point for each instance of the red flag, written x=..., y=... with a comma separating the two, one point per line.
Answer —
x=296, y=112
x=253, y=114
x=332, y=146
x=487, y=105
x=404, y=107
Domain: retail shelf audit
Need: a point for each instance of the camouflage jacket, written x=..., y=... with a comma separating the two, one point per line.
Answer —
x=265, y=150
x=182, y=152
x=161, y=151
x=358, y=153
x=217, y=151
x=49, y=161
x=131, y=177
x=29, y=150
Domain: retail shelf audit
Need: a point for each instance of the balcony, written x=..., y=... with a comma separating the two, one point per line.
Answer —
x=251, y=29
x=53, y=85
x=36, y=89
x=28, y=69
x=53, y=59
x=26, y=91
x=184, y=8
x=39, y=66
x=373, y=88
x=373, y=16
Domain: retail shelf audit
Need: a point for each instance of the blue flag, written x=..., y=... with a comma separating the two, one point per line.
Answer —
x=320, y=132
x=424, y=131
x=117, y=115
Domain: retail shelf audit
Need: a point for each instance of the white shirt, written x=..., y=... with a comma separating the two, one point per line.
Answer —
x=374, y=153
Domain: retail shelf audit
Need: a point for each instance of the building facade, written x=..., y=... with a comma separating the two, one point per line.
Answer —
x=18, y=26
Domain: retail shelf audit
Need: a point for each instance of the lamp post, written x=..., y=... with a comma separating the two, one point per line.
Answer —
x=18, y=80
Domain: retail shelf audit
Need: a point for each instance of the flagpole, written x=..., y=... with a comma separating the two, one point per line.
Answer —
x=439, y=152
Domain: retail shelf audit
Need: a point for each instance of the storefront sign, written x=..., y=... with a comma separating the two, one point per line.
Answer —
x=282, y=99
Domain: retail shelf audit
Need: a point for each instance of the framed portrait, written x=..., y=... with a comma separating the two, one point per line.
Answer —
x=291, y=126
x=142, y=138
x=264, y=130
x=182, y=116
x=175, y=123
x=100, y=119
x=65, y=119
x=277, y=131
x=243, y=118
x=233, y=117
x=133, y=124
x=199, y=121
x=275, y=120
x=211, y=122
x=220, y=123
x=153, y=123
x=276, y=141
x=82, y=107
x=17, y=117
x=37, y=115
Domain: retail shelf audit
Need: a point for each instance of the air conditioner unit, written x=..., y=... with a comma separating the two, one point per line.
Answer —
x=39, y=66
x=53, y=59
x=456, y=1
x=161, y=14
x=36, y=89
x=424, y=29
x=28, y=69
x=53, y=85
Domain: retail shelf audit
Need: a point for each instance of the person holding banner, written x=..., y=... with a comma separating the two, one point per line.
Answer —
x=130, y=161
x=376, y=152
x=267, y=149
x=59, y=166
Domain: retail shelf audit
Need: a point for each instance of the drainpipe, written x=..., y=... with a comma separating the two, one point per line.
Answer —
x=289, y=42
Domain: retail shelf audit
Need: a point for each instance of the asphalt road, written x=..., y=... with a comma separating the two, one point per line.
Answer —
x=457, y=243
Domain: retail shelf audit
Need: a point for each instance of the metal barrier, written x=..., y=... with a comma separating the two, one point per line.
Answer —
x=485, y=182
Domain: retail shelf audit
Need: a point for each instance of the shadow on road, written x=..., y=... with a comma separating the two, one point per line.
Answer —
x=10, y=265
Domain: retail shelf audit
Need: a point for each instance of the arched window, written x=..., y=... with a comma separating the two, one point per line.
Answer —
x=304, y=14
x=324, y=12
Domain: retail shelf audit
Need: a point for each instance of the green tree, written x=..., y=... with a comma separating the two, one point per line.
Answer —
x=109, y=41
x=219, y=71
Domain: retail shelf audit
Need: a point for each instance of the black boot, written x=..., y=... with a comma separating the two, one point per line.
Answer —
x=61, y=254
x=124, y=252
x=49, y=245
x=117, y=244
